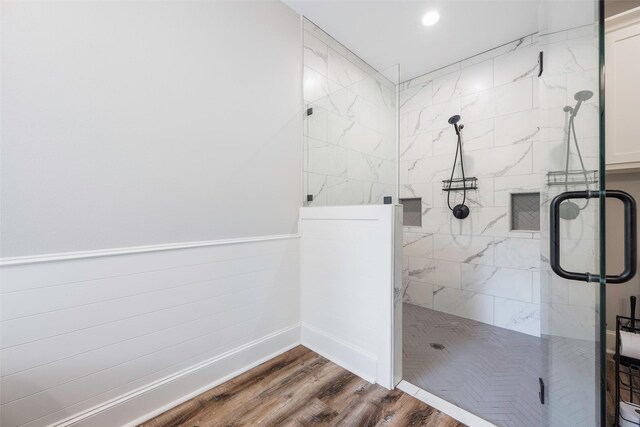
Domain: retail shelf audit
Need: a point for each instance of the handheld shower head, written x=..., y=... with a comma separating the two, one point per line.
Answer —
x=582, y=96
x=453, y=120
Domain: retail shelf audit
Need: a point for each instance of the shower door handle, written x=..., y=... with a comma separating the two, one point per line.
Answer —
x=630, y=236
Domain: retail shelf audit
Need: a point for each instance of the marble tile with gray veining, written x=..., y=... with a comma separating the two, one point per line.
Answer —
x=477, y=135
x=316, y=125
x=343, y=131
x=506, y=185
x=469, y=80
x=343, y=71
x=316, y=86
x=317, y=187
x=518, y=316
x=465, y=304
x=432, y=117
x=344, y=191
x=552, y=92
x=418, y=293
x=564, y=56
x=423, y=191
x=517, y=128
x=482, y=221
x=350, y=150
x=416, y=98
x=568, y=321
x=444, y=142
x=516, y=65
x=325, y=158
x=463, y=248
x=498, y=281
x=416, y=146
x=316, y=54
x=417, y=244
x=428, y=169
x=425, y=78
x=436, y=272
x=478, y=106
x=513, y=97
x=363, y=166
x=500, y=161
x=374, y=192
x=517, y=253
x=338, y=100
x=520, y=43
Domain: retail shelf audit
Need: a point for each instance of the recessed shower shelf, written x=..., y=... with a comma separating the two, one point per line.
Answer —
x=460, y=184
x=572, y=177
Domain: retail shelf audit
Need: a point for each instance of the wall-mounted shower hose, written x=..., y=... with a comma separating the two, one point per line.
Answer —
x=460, y=211
x=570, y=210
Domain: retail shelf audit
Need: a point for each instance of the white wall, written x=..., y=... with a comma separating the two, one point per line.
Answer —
x=347, y=287
x=139, y=123
x=131, y=130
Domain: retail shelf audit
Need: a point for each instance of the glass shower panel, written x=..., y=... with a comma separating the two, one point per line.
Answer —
x=350, y=125
x=567, y=156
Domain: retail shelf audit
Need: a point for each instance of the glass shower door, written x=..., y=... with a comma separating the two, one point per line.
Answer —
x=570, y=156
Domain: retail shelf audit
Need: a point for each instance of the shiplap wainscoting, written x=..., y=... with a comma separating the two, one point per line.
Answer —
x=112, y=340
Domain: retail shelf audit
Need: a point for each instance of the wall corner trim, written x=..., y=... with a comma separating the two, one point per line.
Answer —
x=65, y=256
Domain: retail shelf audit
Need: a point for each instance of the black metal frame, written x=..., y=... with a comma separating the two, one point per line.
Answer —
x=629, y=364
x=630, y=236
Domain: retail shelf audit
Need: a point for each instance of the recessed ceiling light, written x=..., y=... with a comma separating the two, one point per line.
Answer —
x=430, y=18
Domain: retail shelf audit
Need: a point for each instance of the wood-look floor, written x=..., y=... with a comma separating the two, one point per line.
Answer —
x=301, y=388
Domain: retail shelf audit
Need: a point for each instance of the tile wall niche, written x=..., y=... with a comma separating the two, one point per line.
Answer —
x=350, y=138
x=477, y=267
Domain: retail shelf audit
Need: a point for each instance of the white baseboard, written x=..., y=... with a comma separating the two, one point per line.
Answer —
x=147, y=402
x=352, y=358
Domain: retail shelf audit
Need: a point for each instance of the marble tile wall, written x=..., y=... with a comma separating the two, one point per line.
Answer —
x=477, y=267
x=350, y=139
x=515, y=132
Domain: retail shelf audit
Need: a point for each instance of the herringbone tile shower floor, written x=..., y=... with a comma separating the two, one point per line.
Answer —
x=493, y=372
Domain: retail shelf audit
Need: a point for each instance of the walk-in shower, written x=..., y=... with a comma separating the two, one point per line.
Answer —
x=488, y=325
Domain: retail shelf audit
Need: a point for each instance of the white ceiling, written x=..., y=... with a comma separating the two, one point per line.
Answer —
x=385, y=33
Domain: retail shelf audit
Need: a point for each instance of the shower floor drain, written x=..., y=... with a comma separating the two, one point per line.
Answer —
x=436, y=345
